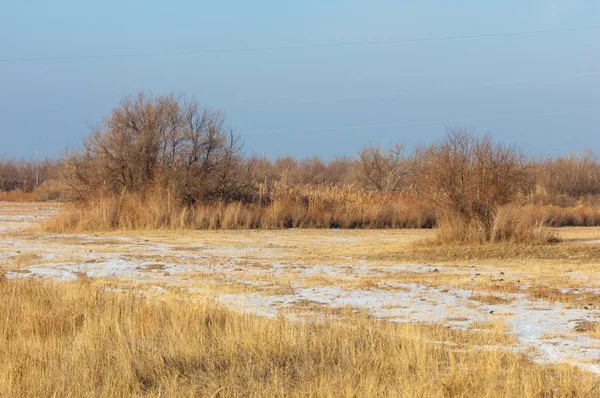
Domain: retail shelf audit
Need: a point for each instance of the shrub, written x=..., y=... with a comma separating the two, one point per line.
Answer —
x=468, y=178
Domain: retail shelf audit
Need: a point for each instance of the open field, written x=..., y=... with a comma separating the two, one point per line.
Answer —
x=538, y=302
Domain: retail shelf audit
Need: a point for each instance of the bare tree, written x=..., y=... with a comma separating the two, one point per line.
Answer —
x=160, y=142
x=385, y=171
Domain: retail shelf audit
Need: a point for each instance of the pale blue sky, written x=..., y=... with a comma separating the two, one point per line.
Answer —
x=540, y=91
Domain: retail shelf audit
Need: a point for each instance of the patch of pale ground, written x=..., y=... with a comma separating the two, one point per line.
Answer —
x=302, y=273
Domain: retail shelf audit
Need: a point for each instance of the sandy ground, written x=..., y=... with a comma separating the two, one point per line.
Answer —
x=303, y=273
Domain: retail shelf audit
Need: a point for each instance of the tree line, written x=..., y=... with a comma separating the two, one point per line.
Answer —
x=171, y=144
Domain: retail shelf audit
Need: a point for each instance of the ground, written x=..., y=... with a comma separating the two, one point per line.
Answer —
x=543, y=301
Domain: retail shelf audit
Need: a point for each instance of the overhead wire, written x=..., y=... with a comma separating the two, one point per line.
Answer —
x=294, y=47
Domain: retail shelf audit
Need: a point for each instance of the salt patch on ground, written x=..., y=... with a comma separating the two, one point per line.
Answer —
x=41, y=272
x=18, y=217
x=10, y=243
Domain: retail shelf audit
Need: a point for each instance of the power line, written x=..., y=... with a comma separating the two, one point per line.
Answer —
x=296, y=47
x=408, y=124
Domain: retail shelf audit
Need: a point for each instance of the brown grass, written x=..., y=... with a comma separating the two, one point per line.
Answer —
x=19, y=196
x=489, y=299
x=426, y=253
x=309, y=207
x=516, y=224
x=74, y=339
x=571, y=298
x=50, y=190
x=576, y=216
x=590, y=328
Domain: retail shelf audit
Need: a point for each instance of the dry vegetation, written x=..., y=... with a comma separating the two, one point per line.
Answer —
x=589, y=328
x=164, y=162
x=18, y=178
x=157, y=336
x=19, y=196
x=302, y=207
x=76, y=339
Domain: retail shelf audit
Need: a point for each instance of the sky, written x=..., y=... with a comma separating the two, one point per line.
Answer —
x=311, y=77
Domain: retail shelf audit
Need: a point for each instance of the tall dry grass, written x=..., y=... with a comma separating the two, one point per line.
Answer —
x=50, y=190
x=510, y=224
x=19, y=196
x=75, y=339
x=580, y=215
x=520, y=225
x=303, y=207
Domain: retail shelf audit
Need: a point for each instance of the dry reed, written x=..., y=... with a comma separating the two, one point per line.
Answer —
x=19, y=196
x=306, y=207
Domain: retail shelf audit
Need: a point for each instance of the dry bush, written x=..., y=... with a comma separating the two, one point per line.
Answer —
x=468, y=178
x=75, y=339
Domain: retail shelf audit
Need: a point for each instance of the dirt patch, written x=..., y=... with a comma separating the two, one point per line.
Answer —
x=20, y=271
x=490, y=299
x=587, y=327
x=26, y=259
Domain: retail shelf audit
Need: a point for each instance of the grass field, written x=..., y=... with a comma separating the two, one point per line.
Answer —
x=293, y=312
